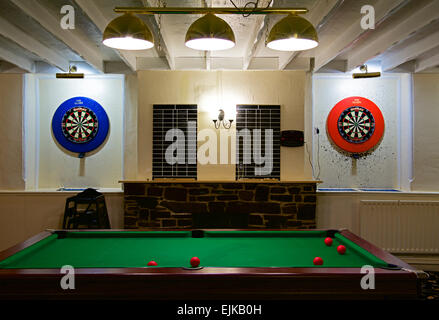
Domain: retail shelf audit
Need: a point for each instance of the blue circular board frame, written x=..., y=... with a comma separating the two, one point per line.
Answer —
x=98, y=121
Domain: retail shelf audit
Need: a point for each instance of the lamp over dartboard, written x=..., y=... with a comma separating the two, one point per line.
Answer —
x=80, y=125
x=356, y=125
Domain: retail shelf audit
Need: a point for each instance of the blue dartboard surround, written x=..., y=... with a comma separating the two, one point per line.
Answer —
x=102, y=127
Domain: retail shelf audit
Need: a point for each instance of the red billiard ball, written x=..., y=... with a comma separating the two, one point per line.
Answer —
x=318, y=261
x=152, y=263
x=195, y=262
x=341, y=249
x=328, y=241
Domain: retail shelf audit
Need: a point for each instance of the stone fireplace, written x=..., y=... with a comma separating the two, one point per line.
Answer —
x=268, y=204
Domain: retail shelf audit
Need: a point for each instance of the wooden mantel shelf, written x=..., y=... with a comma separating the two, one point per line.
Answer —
x=220, y=181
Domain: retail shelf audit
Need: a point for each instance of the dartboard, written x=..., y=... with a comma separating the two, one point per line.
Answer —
x=80, y=125
x=355, y=124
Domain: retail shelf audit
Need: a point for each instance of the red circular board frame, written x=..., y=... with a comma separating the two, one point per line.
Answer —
x=334, y=115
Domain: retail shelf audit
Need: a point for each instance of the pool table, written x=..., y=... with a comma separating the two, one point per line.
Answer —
x=235, y=264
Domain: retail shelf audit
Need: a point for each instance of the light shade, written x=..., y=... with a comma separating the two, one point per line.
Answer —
x=128, y=32
x=292, y=33
x=210, y=33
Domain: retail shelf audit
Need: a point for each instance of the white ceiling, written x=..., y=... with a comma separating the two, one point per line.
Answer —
x=406, y=37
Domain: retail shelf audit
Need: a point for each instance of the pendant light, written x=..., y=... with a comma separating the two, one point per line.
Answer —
x=210, y=33
x=292, y=33
x=128, y=32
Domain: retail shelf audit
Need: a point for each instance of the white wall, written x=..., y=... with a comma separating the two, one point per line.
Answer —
x=11, y=132
x=214, y=90
x=25, y=214
x=426, y=115
x=382, y=167
x=51, y=166
x=130, y=131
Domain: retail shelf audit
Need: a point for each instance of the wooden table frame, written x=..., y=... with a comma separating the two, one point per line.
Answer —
x=211, y=283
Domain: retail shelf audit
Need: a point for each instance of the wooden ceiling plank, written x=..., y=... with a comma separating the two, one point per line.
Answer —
x=20, y=62
x=71, y=38
x=410, y=52
x=27, y=42
x=327, y=53
x=399, y=31
x=257, y=36
x=430, y=62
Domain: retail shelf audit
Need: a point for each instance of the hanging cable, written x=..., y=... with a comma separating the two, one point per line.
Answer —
x=318, y=156
x=314, y=174
x=255, y=4
x=309, y=160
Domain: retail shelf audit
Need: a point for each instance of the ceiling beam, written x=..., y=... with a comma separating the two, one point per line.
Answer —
x=101, y=21
x=264, y=63
x=318, y=16
x=6, y=67
x=71, y=38
x=335, y=66
x=162, y=50
x=325, y=53
x=20, y=62
x=203, y=10
x=397, y=32
x=427, y=63
x=190, y=63
x=256, y=36
x=391, y=61
x=152, y=63
x=299, y=63
x=27, y=42
x=118, y=67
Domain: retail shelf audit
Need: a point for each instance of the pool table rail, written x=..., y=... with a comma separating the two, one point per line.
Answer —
x=211, y=282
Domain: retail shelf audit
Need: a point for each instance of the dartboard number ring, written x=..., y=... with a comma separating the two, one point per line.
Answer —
x=355, y=124
x=79, y=125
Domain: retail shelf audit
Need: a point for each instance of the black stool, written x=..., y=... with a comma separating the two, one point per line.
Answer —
x=86, y=210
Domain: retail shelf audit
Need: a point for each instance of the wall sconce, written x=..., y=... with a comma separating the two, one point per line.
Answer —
x=71, y=75
x=226, y=124
x=365, y=74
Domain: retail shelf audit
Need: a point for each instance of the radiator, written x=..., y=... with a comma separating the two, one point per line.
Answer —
x=401, y=226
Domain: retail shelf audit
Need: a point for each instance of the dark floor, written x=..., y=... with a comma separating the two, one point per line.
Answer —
x=430, y=287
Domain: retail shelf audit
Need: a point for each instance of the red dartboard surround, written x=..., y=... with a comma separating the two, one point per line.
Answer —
x=355, y=124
